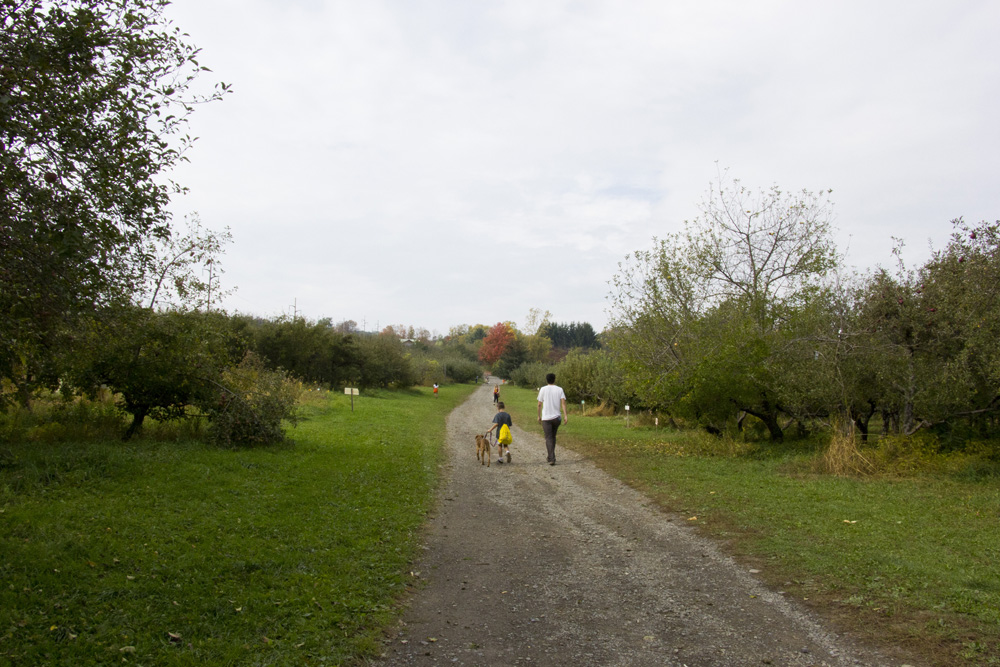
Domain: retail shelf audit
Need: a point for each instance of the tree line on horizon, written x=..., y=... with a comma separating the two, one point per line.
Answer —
x=747, y=317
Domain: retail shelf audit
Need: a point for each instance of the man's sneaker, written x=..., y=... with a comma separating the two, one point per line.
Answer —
x=508, y=457
x=499, y=460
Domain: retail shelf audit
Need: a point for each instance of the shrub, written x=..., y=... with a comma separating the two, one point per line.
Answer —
x=530, y=374
x=462, y=370
x=844, y=458
x=383, y=363
x=594, y=376
x=252, y=405
x=54, y=418
x=425, y=371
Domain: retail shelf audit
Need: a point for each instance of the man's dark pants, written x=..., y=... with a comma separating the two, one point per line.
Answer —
x=550, y=426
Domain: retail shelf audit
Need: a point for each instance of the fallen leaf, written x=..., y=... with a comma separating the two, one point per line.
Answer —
x=693, y=518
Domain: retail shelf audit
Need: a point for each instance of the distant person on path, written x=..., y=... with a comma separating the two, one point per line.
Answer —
x=551, y=399
x=501, y=417
x=496, y=394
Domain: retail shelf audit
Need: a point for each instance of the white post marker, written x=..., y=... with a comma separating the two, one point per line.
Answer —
x=626, y=416
x=581, y=406
x=352, y=392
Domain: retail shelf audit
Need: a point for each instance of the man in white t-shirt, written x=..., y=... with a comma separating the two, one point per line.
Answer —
x=551, y=401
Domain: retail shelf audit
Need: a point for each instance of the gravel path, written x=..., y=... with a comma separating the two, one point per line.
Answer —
x=529, y=564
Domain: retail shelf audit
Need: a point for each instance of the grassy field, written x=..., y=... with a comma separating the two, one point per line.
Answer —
x=177, y=553
x=912, y=560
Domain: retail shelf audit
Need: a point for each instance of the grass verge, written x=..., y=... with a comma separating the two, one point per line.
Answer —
x=178, y=553
x=907, y=561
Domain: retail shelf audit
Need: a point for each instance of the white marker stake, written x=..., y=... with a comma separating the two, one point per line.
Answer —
x=352, y=392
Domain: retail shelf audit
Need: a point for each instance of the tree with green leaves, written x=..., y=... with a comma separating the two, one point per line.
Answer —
x=162, y=350
x=698, y=320
x=383, y=362
x=592, y=376
x=932, y=333
x=566, y=336
x=310, y=351
x=94, y=99
x=158, y=362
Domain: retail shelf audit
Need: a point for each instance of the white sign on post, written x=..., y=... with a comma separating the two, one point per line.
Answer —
x=626, y=416
x=352, y=392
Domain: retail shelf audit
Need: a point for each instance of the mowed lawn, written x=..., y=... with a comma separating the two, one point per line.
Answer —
x=912, y=560
x=178, y=553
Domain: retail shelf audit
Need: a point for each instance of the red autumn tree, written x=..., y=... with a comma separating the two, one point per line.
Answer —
x=496, y=343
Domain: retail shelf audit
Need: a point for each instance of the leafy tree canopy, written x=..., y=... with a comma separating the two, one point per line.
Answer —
x=500, y=337
x=94, y=98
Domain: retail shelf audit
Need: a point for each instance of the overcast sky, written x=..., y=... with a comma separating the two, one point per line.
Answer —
x=444, y=162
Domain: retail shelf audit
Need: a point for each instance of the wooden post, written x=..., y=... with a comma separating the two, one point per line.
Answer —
x=352, y=392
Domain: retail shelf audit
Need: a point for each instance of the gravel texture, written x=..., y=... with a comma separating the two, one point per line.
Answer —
x=530, y=564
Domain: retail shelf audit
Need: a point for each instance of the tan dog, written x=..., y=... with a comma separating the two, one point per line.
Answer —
x=483, y=450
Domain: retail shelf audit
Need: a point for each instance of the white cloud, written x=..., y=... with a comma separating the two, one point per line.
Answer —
x=444, y=162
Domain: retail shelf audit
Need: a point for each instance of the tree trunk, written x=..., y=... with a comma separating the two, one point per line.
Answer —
x=769, y=416
x=861, y=420
x=24, y=395
x=773, y=427
x=138, y=416
x=909, y=393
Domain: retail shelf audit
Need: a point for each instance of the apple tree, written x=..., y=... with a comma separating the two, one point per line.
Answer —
x=94, y=99
x=698, y=320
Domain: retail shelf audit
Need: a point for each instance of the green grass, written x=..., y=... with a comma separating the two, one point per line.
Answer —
x=177, y=553
x=912, y=560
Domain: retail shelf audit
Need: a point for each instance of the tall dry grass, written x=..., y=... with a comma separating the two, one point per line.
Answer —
x=844, y=458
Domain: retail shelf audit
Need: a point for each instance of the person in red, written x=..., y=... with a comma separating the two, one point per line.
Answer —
x=496, y=394
x=435, y=389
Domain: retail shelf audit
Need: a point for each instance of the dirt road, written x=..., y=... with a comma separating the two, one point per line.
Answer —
x=530, y=564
